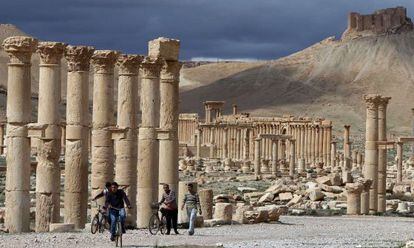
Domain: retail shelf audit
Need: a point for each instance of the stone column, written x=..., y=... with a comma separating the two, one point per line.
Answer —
x=77, y=135
x=275, y=154
x=102, y=119
x=382, y=153
x=354, y=157
x=353, y=198
x=169, y=99
x=199, y=133
x=48, y=168
x=365, y=196
x=147, y=189
x=226, y=143
x=359, y=160
x=346, y=146
x=1, y=139
x=371, y=150
x=19, y=114
x=246, y=144
x=333, y=154
x=320, y=144
x=399, y=161
x=126, y=148
x=292, y=158
x=238, y=145
x=412, y=133
x=257, y=152
x=325, y=145
x=328, y=145
x=206, y=202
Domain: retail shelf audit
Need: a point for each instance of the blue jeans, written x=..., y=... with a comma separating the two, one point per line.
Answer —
x=192, y=215
x=113, y=214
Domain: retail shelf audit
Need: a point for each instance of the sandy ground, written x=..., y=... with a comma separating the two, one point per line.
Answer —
x=291, y=232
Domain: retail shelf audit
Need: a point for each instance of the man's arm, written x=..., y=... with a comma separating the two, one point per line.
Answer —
x=126, y=199
x=162, y=200
x=183, y=203
x=198, y=203
x=99, y=195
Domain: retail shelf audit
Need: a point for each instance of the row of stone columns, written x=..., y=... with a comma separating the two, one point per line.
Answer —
x=163, y=54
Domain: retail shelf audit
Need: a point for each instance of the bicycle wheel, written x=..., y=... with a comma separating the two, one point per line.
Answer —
x=163, y=225
x=118, y=238
x=95, y=225
x=154, y=224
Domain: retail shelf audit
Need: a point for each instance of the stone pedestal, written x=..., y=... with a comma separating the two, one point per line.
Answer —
x=147, y=189
x=102, y=120
x=48, y=153
x=77, y=135
x=19, y=114
x=353, y=198
x=126, y=148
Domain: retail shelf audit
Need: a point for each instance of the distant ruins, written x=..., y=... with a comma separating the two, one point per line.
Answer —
x=391, y=20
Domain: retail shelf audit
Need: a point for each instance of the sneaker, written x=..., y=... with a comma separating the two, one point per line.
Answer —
x=176, y=232
x=112, y=238
x=167, y=233
x=191, y=233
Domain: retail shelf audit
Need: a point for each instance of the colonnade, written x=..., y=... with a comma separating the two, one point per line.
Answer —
x=114, y=142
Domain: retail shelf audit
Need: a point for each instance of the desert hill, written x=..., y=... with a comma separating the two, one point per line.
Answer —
x=327, y=80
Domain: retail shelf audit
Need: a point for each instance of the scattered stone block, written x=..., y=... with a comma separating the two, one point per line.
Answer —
x=61, y=227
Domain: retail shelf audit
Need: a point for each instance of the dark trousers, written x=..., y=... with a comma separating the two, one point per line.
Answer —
x=171, y=217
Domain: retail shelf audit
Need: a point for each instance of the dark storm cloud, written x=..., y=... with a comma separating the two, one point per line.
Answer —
x=261, y=29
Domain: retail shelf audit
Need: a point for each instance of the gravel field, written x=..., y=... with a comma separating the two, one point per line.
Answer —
x=291, y=232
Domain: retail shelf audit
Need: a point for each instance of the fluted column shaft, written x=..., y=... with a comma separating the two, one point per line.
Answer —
x=292, y=161
x=382, y=154
x=275, y=144
x=103, y=119
x=17, y=202
x=49, y=146
x=257, y=153
x=126, y=148
x=77, y=135
x=371, y=150
x=399, y=161
x=147, y=189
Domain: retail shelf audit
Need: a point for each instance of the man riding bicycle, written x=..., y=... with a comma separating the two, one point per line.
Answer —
x=115, y=202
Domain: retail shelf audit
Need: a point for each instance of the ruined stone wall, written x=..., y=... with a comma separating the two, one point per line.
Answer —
x=389, y=20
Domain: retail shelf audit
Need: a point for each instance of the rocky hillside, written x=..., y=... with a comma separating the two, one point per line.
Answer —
x=327, y=79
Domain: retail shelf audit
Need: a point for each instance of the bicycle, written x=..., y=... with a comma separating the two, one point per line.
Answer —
x=99, y=221
x=118, y=229
x=155, y=223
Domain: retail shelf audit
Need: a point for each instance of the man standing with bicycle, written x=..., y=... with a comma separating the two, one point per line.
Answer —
x=115, y=201
x=170, y=208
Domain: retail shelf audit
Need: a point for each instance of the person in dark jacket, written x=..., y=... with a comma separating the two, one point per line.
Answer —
x=169, y=208
x=115, y=202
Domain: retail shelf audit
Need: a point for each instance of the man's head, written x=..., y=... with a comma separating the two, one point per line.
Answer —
x=108, y=185
x=190, y=187
x=114, y=187
x=166, y=188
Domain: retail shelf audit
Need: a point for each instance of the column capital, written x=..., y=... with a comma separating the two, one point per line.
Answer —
x=372, y=101
x=129, y=64
x=347, y=127
x=78, y=57
x=355, y=188
x=383, y=102
x=103, y=61
x=50, y=52
x=151, y=67
x=20, y=49
x=170, y=71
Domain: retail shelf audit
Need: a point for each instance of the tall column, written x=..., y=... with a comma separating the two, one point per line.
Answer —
x=226, y=143
x=126, y=148
x=48, y=168
x=328, y=145
x=320, y=144
x=19, y=114
x=346, y=146
x=246, y=144
x=324, y=145
x=333, y=154
x=2, y=139
x=257, y=152
x=169, y=99
x=399, y=161
x=199, y=133
x=275, y=144
x=412, y=132
x=371, y=150
x=102, y=119
x=313, y=144
x=382, y=153
x=292, y=158
x=77, y=135
x=147, y=189
x=317, y=143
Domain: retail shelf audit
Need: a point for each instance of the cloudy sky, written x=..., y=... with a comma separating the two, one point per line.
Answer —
x=225, y=29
